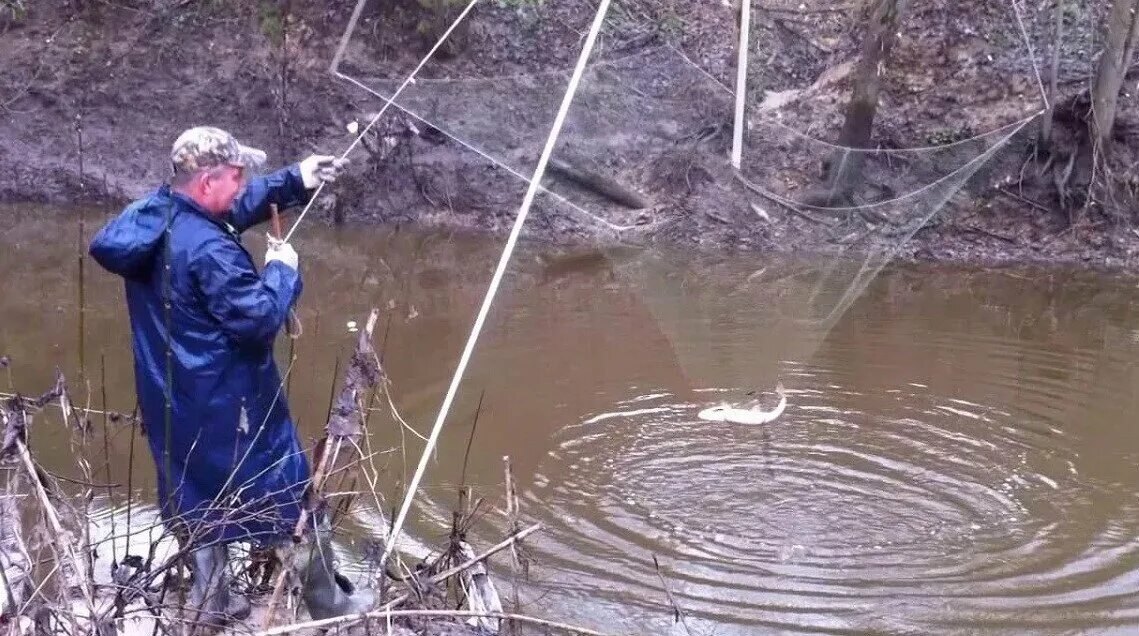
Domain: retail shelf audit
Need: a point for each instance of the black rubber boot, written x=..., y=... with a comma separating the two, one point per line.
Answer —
x=211, y=601
x=327, y=594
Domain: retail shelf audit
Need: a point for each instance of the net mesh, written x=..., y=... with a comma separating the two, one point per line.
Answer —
x=660, y=122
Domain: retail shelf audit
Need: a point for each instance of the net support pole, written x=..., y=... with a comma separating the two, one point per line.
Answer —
x=741, y=84
x=496, y=279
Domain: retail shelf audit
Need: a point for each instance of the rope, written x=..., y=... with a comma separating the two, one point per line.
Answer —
x=764, y=120
x=899, y=152
x=612, y=227
x=1016, y=127
x=408, y=80
x=496, y=280
x=1016, y=9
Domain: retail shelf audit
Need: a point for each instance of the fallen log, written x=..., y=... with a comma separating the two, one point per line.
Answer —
x=600, y=184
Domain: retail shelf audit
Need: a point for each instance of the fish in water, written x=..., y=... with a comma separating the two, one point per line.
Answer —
x=751, y=413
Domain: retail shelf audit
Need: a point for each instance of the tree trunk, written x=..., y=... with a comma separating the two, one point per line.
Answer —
x=846, y=168
x=1119, y=47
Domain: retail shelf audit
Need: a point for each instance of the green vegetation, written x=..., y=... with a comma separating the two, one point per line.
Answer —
x=15, y=9
x=271, y=22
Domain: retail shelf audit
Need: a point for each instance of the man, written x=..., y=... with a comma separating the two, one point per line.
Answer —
x=203, y=320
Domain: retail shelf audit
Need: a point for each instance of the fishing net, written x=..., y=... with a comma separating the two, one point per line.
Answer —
x=654, y=119
x=644, y=161
x=658, y=122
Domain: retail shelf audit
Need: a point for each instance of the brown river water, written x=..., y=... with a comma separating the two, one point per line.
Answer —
x=958, y=454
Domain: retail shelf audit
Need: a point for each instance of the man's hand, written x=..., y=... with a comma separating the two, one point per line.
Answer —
x=321, y=168
x=283, y=252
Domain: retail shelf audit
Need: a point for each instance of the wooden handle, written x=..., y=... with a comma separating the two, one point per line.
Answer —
x=275, y=216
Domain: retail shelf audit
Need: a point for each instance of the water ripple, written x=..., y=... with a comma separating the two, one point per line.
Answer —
x=944, y=506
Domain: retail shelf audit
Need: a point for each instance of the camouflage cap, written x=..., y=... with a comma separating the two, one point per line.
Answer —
x=207, y=147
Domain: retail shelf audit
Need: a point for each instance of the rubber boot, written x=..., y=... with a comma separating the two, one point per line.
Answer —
x=211, y=601
x=325, y=592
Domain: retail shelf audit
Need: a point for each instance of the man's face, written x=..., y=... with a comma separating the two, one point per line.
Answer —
x=220, y=186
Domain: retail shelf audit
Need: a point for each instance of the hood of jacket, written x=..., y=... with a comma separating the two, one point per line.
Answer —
x=128, y=244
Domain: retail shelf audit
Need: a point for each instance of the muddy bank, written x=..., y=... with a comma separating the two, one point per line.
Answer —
x=94, y=92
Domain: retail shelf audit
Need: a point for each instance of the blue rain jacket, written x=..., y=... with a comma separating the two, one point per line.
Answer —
x=230, y=466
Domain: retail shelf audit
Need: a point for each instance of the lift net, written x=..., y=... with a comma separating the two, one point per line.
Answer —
x=644, y=162
x=654, y=116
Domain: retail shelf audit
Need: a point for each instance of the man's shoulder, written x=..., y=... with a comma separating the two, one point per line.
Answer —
x=162, y=203
x=192, y=232
x=154, y=202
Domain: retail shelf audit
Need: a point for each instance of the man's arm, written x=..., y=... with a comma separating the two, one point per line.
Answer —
x=248, y=307
x=284, y=187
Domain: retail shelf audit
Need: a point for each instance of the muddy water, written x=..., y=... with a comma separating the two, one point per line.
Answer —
x=958, y=455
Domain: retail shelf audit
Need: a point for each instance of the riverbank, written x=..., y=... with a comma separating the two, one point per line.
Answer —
x=94, y=92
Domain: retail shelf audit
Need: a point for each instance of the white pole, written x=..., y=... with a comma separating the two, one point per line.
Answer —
x=741, y=84
x=496, y=280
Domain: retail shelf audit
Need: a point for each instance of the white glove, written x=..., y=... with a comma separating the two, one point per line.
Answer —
x=318, y=168
x=282, y=252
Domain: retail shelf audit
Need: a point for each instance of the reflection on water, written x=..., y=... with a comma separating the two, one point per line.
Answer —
x=957, y=455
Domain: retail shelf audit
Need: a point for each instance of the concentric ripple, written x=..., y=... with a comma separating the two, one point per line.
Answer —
x=870, y=505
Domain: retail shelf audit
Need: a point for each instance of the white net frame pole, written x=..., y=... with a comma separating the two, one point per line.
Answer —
x=741, y=84
x=496, y=280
